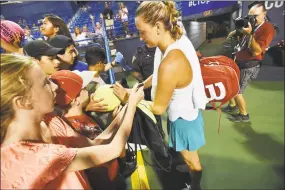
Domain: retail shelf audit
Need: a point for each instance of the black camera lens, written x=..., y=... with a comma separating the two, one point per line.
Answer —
x=251, y=19
x=243, y=22
x=240, y=23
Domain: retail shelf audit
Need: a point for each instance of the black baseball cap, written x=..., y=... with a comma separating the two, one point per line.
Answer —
x=60, y=41
x=37, y=48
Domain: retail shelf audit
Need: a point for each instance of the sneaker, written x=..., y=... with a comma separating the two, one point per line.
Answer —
x=240, y=118
x=188, y=187
x=230, y=109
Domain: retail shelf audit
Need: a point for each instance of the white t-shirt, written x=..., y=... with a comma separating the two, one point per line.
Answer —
x=80, y=37
x=124, y=16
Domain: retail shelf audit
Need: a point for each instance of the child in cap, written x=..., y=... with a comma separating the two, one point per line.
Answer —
x=69, y=57
x=72, y=97
x=44, y=54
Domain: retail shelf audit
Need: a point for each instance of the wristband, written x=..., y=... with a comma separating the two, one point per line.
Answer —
x=126, y=98
x=113, y=65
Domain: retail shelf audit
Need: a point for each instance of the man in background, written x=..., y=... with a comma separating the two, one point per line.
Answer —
x=142, y=65
x=108, y=17
x=253, y=44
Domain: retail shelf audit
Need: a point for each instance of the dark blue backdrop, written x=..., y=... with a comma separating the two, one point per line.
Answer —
x=34, y=10
x=194, y=7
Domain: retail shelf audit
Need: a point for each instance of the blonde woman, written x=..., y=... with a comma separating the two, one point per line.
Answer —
x=36, y=155
x=177, y=84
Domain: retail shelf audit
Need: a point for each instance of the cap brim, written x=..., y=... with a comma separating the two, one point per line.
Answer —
x=87, y=76
x=54, y=51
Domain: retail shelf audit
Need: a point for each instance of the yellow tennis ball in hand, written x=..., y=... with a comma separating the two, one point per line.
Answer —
x=110, y=98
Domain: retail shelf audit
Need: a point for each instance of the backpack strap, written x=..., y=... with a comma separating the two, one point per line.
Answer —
x=139, y=134
x=218, y=108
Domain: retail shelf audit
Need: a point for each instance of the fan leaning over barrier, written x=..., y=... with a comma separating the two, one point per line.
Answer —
x=146, y=130
x=72, y=96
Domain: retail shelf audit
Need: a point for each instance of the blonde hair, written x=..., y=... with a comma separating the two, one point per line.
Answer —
x=165, y=11
x=77, y=27
x=14, y=82
x=122, y=5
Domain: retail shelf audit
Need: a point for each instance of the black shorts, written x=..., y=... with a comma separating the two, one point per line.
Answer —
x=210, y=36
x=246, y=75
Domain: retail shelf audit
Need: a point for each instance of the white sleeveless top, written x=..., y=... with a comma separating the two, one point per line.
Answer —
x=185, y=102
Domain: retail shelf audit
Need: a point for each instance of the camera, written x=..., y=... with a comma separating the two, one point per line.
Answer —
x=243, y=22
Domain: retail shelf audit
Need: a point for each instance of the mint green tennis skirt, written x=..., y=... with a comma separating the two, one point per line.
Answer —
x=187, y=135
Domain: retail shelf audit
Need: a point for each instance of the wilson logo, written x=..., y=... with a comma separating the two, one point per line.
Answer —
x=212, y=92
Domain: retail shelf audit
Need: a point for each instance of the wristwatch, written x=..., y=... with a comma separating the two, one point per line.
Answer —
x=113, y=65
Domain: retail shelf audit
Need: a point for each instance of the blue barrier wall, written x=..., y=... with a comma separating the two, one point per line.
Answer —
x=35, y=10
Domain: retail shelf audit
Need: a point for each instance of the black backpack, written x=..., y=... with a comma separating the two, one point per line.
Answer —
x=146, y=132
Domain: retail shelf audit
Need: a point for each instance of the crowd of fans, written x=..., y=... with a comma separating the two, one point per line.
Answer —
x=52, y=99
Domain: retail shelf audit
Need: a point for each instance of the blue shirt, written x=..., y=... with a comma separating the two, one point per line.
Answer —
x=80, y=66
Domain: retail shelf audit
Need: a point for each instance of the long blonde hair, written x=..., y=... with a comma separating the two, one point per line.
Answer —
x=165, y=11
x=14, y=82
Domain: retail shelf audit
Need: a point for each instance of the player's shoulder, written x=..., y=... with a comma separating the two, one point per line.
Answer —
x=176, y=56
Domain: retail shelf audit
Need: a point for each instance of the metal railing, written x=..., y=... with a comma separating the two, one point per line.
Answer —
x=108, y=53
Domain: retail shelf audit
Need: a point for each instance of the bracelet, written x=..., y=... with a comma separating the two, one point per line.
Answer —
x=126, y=98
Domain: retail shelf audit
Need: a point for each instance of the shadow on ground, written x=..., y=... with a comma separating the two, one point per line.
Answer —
x=272, y=86
x=230, y=173
x=224, y=173
x=263, y=146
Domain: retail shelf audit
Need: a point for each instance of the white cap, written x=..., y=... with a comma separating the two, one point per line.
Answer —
x=87, y=76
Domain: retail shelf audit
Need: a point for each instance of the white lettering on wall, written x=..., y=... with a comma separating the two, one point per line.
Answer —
x=277, y=4
x=213, y=95
x=195, y=3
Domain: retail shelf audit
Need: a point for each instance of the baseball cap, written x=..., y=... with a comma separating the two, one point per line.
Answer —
x=36, y=48
x=70, y=85
x=87, y=76
x=60, y=41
